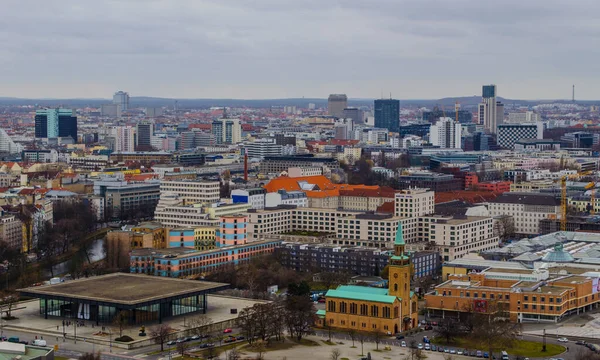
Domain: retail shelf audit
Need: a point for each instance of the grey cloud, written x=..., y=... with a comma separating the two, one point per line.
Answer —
x=277, y=48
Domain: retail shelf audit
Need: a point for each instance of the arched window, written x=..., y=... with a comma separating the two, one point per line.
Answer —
x=395, y=287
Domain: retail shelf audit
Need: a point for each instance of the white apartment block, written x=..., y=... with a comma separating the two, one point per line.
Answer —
x=348, y=227
x=456, y=237
x=124, y=138
x=183, y=216
x=527, y=209
x=192, y=191
x=523, y=117
x=445, y=133
x=414, y=203
x=374, y=230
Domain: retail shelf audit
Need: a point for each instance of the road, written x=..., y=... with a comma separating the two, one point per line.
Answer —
x=69, y=349
x=391, y=341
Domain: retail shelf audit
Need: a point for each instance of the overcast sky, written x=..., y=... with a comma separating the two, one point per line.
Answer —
x=252, y=49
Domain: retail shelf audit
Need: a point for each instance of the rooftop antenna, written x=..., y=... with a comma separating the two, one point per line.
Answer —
x=224, y=112
x=176, y=113
x=573, y=96
x=390, y=95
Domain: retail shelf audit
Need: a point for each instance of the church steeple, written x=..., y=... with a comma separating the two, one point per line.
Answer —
x=399, y=242
x=399, y=278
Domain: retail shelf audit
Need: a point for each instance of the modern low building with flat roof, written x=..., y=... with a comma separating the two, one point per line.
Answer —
x=144, y=298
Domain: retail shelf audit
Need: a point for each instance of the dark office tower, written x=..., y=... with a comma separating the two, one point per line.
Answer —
x=41, y=126
x=53, y=123
x=67, y=126
x=144, y=133
x=387, y=114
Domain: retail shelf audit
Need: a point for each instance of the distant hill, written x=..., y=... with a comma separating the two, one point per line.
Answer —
x=147, y=101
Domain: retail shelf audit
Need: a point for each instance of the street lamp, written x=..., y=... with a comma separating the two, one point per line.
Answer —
x=544, y=345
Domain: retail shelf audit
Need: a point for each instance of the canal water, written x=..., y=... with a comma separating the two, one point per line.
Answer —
x=96, y=254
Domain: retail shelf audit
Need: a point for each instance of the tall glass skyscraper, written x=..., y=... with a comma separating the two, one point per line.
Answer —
x=387, y=114
x=53, y=123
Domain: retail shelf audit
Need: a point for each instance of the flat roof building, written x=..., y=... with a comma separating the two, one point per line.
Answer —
x=143, y=298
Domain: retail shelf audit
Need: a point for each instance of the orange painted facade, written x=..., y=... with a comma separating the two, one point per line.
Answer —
x=548, y=300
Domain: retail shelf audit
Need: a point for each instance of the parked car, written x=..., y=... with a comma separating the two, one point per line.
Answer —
x=479, y=353
x=433, y=348
x=440, y=349
x=403, y=343
x=171, y=342
x=426, y=340
x=13, y=339
x=399, y=336
x=459, y=352
x=580, y=342
x=241, y=338
x=227, y=331
x=420, y=346
x=427, y=346
x=39, y=342
x=207, y=345
x=434, y=323
x=452, y=351
x=446, y=350
x=563, y=339
x=230, y=339
x=428, y=327
x=195, y=337
x=486, y=355
x=3, y=338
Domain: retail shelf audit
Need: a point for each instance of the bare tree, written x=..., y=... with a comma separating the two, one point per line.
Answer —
x=377, y=338
x=161, y=334
x=8, y=301
x=447, y=329
x=352, y=334
x=210, y=353
x=335, y=354
x=182, y=347
x=492, y=328
x=233, y=354
x=362, y=338
x=200, y=325
x=259, y=347
x=120, y=321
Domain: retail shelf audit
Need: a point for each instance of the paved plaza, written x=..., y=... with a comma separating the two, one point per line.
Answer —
x=30, y=320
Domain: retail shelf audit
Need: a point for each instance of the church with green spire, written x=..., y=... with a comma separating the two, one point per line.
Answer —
x=387, y=310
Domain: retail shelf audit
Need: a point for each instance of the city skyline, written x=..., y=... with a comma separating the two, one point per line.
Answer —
x=283, y=49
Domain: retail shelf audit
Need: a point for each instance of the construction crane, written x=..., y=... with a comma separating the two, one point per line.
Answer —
x=457, y=107
x=563, y=197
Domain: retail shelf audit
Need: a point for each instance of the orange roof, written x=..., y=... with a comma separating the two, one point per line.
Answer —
x=323, y=187
x=141, y=177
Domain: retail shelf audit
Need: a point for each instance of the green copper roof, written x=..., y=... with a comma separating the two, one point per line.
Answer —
x=403, y=257
x=321, y=312
x=558, y=255
x=374, y=296
x=363, y=289
x=399, y=236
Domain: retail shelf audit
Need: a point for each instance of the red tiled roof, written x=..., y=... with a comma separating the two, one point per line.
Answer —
x=387, y=207
x=465, y=195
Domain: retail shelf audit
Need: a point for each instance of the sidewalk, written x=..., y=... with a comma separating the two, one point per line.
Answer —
x=30, y=320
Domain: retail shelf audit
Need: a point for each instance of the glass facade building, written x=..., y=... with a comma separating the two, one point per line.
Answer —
x=387, y=114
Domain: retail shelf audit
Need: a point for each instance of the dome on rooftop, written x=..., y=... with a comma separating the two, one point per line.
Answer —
x=558, y=255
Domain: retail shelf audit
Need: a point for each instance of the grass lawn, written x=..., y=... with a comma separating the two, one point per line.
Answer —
x=60, y=358
x=519, y=348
